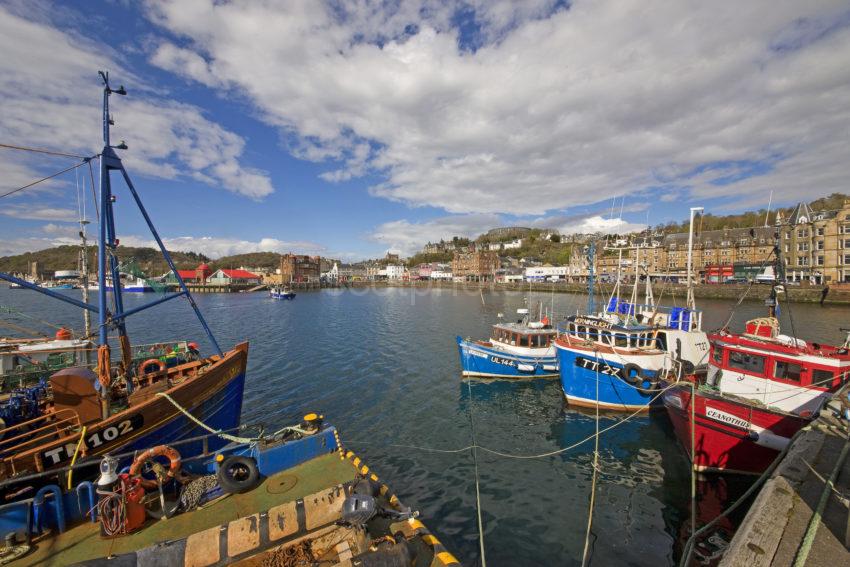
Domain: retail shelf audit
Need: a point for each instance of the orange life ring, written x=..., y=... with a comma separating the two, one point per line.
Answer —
x=160, y=365
x=160, y=450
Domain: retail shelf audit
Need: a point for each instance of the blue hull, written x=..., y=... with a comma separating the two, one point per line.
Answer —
x=579, y=375
x=477, y=360
x=222, y=410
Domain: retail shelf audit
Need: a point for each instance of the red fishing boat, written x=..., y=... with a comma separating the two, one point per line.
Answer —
x=760, y=389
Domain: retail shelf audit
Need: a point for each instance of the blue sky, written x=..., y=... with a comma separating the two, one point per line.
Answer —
x=350, y=128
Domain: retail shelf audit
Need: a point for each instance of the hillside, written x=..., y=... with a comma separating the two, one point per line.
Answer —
x=65, y=258
x=269, y=260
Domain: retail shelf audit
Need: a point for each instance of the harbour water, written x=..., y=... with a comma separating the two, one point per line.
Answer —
x=382, y=365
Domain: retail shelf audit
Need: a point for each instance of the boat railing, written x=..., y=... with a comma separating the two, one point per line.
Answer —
x=37, y=431
x=678, y=318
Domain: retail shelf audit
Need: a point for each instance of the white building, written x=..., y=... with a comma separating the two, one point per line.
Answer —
x=440, y=275
x=332, y=274
x=545, y=273
x=393, y=272
x=511, y=245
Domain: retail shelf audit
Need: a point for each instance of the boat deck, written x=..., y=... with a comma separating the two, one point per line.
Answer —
x=83, y=542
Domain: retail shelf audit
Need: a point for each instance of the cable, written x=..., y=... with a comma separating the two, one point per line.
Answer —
x=12, y=192
x=40, y=151
x=595, y=471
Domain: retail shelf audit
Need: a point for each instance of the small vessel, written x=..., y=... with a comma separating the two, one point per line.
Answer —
x=281, y=293
x=293, y=497
x=129, y=404
x=515, y=350
x=619, y=358
x=760, y=389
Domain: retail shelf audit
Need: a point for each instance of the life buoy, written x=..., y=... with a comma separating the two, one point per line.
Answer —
x=633, y=374
x=170, y=453
x=143, y=366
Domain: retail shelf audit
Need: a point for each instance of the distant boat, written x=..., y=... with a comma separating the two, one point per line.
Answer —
x=515, y=350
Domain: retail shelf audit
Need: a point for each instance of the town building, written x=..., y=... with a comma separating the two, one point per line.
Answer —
x=197, y=276
x=233, y=277
x=394, y=272
x=815, y=245
x=509, y=245
x=299, y=268
x=475, y=266
x=441, y=274
x=546, y=273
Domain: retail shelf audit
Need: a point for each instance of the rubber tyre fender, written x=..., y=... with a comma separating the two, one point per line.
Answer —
x=238, y=474
x=632, y=374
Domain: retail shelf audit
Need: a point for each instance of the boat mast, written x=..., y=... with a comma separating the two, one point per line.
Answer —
x=84, y=275
x=691, y=304
x=637, y=276
x=591, y=260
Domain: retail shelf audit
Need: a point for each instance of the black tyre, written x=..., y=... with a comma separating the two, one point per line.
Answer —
x=237, y=474
x=632, y=374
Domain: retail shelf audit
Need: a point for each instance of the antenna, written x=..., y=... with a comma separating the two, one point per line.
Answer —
x=767, y=214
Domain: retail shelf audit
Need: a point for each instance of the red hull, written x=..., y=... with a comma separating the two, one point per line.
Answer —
x=729, y=436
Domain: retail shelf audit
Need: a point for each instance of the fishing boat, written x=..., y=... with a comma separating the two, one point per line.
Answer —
x=292, y=497
x=760, y=389
x=619, y=358
x=515, y=350
x=281, y=293
x=126, y=405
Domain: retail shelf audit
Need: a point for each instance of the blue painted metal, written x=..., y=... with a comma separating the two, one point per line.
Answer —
x=478, y=360
x=135, y=310
x=41, y=517
x=92, y=509
x=579, y=377
x=48, y=292
x=292, y=453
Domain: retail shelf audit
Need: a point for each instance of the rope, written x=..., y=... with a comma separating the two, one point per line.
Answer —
x=814, y=522
x=111, y=509
x=477, y=482
x=199, y=423
x=74, y=458
x=595, y=472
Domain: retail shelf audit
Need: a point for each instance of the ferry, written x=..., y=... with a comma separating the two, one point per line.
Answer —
x=524, y=349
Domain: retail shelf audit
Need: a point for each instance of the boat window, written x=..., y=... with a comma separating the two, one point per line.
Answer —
x=513, y=339
x=593, y=333
x=661, y=341
x=788, y=371
x=621, y=340
x=582, y=331
x=605, y=338
x=717, y=354
x=822, y=377
x=535, y=341
x=751, y=363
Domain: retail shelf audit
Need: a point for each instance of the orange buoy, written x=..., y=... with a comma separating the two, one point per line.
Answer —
x=160, y=450
x=63, y=334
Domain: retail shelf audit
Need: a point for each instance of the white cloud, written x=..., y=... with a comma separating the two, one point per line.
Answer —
x=36, y=212
x=408, y=237
x=596, y=223
x=552, y=110
x=49, y=93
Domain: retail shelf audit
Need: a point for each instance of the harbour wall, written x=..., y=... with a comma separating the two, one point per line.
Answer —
x=837, y=294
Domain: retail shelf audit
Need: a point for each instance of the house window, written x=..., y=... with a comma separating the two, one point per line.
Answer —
x=847, y=258
x=787, y=248
x=802, y=247
x=820, y=260
x=750, y=363
x=820, y=231
x=819, y=245
x=788, y=371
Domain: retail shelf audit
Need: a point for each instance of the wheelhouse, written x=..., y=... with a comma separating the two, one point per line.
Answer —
x=522, y=336
x=782, y=365
x=609, y=335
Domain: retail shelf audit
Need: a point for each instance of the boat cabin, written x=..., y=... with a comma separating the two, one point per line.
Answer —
x=611, y=335
x=525, y=336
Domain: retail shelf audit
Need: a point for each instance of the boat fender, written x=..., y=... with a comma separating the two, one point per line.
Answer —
x=633, y=374
x=237, y=474
x=143, y=367
x=688, y=367
x=170, y=453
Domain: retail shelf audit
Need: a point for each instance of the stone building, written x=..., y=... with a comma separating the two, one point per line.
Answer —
x=475, y=266
x=815, y=245
x=299, y=268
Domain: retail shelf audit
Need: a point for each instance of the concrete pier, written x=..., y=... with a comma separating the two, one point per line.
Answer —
x=773, y=531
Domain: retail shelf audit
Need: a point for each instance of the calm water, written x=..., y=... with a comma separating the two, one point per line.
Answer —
x=383, y=366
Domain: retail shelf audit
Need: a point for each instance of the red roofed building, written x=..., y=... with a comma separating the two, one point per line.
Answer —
x=234, y=277
x=199, y=275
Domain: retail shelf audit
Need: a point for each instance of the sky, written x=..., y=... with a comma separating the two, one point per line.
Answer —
x=350, y=128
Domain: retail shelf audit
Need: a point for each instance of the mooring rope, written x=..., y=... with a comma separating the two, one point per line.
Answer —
x=477, y=481
x=199, y=423
x=595, y=471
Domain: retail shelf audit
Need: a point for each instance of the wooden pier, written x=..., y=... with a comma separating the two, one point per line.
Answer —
x=801, y=516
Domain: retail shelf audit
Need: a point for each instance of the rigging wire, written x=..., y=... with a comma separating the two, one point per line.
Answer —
x=584, y=557
x=27, y=186
x=40, y=151
x=477, y=481
x=93, y=193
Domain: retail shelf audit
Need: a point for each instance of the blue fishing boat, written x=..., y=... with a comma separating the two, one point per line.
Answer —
x=281, y=293
x=107, y=407
x=515, y=350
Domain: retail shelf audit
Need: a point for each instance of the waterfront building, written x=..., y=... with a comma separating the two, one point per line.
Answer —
x=441, y=274
x=233, y=277
x=546, y=273
x=197, y=276
x=816, y=244
x=299, y=268
x=394, y=272
x=480, y=265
